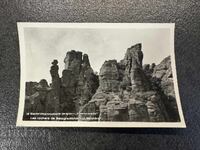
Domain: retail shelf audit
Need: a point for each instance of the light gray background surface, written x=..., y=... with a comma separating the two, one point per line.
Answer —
x=186, y=15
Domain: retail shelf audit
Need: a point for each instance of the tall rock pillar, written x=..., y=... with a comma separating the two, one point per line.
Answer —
x=55, y=84
x=78, y=79
x=133, y=62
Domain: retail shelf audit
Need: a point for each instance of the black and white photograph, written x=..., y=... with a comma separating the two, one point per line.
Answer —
x=98, y=75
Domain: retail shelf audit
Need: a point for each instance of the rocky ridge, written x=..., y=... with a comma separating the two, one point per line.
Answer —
x=123, y=91
x=129, y=91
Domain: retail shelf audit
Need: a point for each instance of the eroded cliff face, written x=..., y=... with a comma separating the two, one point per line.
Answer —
x=123, y=91
x=129, y=91
x=79, y=83
x=66, y=93
x=162, y=77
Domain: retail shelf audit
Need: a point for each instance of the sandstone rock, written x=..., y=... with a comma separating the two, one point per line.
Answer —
x=100, y=98
x=78, y=80
x=133, y=57
x=123, y=91
x=139, y=80
x=73, y=61
x=86, y=61
x=30, y=88
x=37, y=101
x=109, y=76
x=117, y=111
x=152, y=66
x=148, y=70
x=163, y=75
x=146, y=67
x=56, y=84
x=89, y=112
x=54, y=69
x=163, y=72
x=103, y=116
x=137, y=111
x=134, y=71
x=155, y=110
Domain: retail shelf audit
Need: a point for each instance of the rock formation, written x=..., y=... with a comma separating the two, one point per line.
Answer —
x=67, y=93
x=128, y=92
x=162, y=74
x=36, y=98
x=55, y=85
x=123, y=91
x=78, y=79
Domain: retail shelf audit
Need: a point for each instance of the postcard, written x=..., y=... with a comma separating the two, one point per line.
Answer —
x=98, y=75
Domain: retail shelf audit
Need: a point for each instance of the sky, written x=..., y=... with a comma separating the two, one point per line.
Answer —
x=43, y=45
